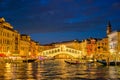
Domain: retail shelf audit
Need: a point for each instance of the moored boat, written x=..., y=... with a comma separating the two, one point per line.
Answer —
x=72, y=62
x=29, y=60
x=76, y=62
x=110, y=63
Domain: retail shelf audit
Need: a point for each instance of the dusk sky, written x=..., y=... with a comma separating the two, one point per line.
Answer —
x=48, y=21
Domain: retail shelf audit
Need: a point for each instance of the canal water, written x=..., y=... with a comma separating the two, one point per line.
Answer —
x=57, y=70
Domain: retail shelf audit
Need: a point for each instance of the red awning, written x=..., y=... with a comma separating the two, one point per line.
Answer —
x=2, y=55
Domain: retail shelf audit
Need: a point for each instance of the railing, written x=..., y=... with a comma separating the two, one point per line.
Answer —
x=61, y=49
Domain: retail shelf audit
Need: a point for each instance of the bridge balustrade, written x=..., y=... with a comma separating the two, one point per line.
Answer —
x=60, y=50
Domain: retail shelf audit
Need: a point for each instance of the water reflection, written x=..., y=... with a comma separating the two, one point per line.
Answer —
x=57, y=69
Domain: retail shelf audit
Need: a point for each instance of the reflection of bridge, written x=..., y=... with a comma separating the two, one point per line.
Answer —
x=62, y=50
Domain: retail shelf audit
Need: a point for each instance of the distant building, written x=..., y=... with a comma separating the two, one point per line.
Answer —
x=75, y=44
x=102, y=47
x=25, y=45
x=109, y=28
x=34, y=48
x=89, y=46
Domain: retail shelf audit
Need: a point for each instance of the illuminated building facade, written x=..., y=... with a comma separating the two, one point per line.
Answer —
x=12, y=43
x=89, y=46
x=102, y=47
x=114, y=42
x=24, y=45
x=9, y=38
x=34, y=48
x=83, y=46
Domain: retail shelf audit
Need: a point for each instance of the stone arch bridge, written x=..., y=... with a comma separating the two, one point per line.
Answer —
x=62, y=50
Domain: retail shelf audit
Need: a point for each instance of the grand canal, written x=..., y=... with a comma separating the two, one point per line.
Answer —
x=57, y=70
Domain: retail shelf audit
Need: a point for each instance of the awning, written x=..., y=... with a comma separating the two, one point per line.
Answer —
x=2, y=55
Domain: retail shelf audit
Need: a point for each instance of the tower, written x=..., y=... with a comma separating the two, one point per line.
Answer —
x=109, y=30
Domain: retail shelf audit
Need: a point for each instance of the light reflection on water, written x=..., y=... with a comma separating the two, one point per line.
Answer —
x=57, y=70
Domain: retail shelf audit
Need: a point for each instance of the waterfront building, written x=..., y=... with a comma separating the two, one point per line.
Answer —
x=24, y=45
x=12, y=43
x=34, y=48
x=114, y=42
x=46, y=47
x=89, y=47
x=9, y=38
x=37, y=49
x=102, y=48
x=83, y=45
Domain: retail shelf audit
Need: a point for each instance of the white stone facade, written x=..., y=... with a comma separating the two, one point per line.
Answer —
x=114, y=42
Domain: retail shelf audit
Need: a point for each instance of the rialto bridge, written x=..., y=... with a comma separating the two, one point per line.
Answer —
x=62, y=50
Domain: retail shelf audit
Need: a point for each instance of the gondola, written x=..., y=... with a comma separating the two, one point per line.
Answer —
x=110, y=63
x=29, y=60
x=74, y=62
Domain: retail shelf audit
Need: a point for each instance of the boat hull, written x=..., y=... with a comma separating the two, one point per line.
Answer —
x=75, y=62
x=112, y=63
x=29, y=60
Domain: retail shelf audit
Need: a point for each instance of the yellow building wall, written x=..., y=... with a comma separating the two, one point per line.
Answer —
x=8, y=43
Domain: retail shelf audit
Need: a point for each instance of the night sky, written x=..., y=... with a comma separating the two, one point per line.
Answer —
x=48, y=21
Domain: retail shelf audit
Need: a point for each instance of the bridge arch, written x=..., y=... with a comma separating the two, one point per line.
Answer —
x=63, y=55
